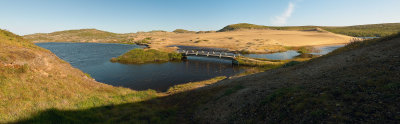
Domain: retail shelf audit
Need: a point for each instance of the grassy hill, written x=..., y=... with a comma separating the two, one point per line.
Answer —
x=242, y=26
x=356, y=84
x=372, y=30
x=81, y=35
x=33, y=79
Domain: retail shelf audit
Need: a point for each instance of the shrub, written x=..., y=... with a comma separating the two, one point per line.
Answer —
x=182, y=31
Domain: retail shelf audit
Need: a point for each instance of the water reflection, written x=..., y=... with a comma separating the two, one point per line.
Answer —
x=276, y=56
x=290, y=54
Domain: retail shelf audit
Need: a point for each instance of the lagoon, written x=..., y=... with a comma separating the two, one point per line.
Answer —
x=93, y=58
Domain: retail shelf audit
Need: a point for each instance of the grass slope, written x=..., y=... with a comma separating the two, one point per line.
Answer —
x=355, y=84
x=33, y=79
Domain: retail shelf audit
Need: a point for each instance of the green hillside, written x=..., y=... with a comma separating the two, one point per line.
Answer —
x=81, y=35
x=372, y=30
x=242, y=26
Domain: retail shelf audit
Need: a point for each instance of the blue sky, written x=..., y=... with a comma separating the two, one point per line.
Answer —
x=125, y=16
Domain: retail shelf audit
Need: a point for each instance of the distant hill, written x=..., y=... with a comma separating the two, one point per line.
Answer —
x=371, y=30
x=81, y=35
x=242, y=26
x=94, y=35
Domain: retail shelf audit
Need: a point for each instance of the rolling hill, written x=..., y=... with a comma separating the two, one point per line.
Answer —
x=81, y=35
x=369, y=30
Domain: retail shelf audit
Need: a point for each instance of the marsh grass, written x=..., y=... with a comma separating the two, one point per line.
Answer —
x=140, y=56
x=193, y=85
x=269, y=63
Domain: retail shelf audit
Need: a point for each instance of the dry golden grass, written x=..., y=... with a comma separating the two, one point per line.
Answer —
x=255, y=41
x=193, y=85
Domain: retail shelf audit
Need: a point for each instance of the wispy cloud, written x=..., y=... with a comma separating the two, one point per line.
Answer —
x=282, y=19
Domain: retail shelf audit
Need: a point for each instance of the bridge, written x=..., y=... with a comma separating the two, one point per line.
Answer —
x=226, y=55
x=218, y=54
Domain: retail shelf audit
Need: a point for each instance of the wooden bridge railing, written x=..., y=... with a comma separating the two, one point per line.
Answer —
x=208, y=53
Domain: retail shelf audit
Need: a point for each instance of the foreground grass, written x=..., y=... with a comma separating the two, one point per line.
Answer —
x=139, y=56
x=32, y=79
x=372, y=98
x=150, y=107
x=24, y=93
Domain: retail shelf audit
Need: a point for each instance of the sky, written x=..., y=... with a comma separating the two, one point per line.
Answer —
x=129, y=16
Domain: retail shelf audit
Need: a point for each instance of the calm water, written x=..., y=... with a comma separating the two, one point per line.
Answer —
x=275, y=56
x=326, y=49
x=291, y=53
x=93, y=58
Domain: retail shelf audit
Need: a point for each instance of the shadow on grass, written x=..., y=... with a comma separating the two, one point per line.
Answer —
x=175, y=108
